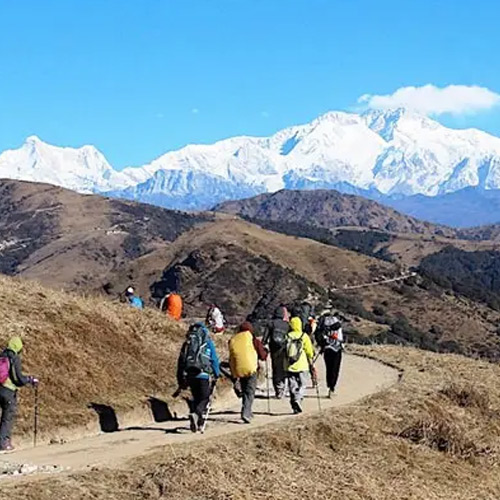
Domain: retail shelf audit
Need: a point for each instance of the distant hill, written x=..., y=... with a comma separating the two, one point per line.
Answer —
x=71, y=240
x=467, y=207
x=330, y=209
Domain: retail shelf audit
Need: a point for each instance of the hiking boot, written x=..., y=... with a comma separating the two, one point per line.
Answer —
x=331, y=393
x=193, y=422
x=246, y=420
x=201, y=423
x=6, y=446
x=296, y=407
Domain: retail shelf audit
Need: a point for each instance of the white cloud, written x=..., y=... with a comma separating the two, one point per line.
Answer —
x=432, y=100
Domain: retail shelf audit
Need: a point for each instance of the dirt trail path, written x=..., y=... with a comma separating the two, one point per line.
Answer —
x=360, y=377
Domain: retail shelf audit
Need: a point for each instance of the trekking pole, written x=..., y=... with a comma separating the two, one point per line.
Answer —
x=268, y=387
x=209, y=407
x=35, y=423
x=318, y=396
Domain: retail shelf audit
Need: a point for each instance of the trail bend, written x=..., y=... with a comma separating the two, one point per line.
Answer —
x=360, y=377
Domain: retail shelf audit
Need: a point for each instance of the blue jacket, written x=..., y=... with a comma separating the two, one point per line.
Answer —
x=210, y=351
x=136, y=302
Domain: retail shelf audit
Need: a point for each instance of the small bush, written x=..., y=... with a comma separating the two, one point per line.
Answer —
x=467, y=396
x=441, y=430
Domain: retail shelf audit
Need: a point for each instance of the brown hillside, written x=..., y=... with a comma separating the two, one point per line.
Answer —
x=435, y=435
x=240, y=265
x=86, y=351
x=329, y=209
x=65, y=239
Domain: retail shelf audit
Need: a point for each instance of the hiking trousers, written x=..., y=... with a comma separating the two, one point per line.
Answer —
x=248, y=386
x=278, y=356
x=297, y=386
x=200, y=390
x=332, y=362
x=8, y=405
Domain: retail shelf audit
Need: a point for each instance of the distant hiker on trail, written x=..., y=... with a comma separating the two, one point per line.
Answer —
x=198, y=368
x=276, y=337
x=244, y=352
x=304, y=311
x=133, y=299
x=330, y=339
x=311, y=326
x=215, y=319
x=172, y=305
x=11, y=378
x=299, y=357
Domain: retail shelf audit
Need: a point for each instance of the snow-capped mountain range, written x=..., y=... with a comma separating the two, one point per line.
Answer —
x=396, y=152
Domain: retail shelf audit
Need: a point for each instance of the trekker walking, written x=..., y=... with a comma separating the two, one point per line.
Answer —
x=275, y=338
x=299, y=357
x=244, y=352
x=11, y=378
x=172, y=305
x=330, y=339
x=215, y=319
x=304, y=311
x=198, y=368
x=133, y=299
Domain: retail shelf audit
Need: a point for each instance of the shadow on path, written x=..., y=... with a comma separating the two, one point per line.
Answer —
x=108, y=420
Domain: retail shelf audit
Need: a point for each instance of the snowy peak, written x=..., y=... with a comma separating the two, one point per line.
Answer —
x=82, y=169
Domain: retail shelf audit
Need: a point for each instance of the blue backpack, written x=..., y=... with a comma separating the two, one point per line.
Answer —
x=196, y=354
x=136, y=302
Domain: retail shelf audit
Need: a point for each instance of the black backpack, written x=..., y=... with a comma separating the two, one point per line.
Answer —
x=279, y=330
x=196, y=355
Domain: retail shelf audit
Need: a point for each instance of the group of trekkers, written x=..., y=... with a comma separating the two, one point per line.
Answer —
x=294, y=341
x=171, y=303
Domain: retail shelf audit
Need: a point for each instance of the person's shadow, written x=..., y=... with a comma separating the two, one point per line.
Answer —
x=108, y=420
x=160, y=410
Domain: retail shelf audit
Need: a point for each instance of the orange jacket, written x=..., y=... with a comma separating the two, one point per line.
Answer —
x=174, y=306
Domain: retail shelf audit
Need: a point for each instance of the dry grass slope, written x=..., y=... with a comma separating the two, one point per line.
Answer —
x=86, y=350
x=436, y=435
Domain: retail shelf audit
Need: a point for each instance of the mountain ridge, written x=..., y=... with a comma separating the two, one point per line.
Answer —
x=393, y=153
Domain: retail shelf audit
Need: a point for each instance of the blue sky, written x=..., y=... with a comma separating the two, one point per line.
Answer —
x=139, y=77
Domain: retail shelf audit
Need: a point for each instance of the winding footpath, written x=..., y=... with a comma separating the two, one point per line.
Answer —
x=360, y=377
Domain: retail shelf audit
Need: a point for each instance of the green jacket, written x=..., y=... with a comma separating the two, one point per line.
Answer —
x=302, y=365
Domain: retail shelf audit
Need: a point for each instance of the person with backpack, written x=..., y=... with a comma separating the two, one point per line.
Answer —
x=275, y=338
x=304, y=311
x=299, y=358
x=245, y=350
x=216, y=320
x=11, y=379
x=133, y=299
x=198, y=368
x=172, y=305
x=330, y=339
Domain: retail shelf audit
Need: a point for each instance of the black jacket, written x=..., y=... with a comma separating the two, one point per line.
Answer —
x=16, y=369
x=276, y=331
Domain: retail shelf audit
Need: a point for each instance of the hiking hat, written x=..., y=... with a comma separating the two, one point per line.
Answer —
x=15, y=344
